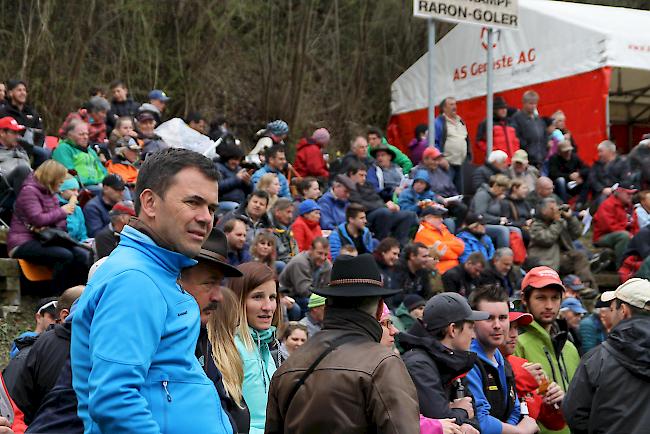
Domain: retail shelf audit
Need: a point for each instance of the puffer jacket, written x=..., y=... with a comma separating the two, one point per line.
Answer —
x=309, y=159
x=610, y=391
x=504, y=137
x=361, y=387
x=483, y=174
x=259, y=367
x=35, y=206
x=448, y=244
x=557, y=355
x=340, y=237
x=492, y=207
x=231, y=188
x=75, y=222
x=549, y=239
x=474, y=244
x=305, y=231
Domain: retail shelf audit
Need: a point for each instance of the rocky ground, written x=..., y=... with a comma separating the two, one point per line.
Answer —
x=16, y=323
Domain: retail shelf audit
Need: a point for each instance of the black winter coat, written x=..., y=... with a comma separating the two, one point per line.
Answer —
x=458, y=280
x=605, y=175
x=482, y=175
x=610, y=391
x=41, y=370
x=558, y=167
x=231, y=188
x=367, y=196
x=433, y=368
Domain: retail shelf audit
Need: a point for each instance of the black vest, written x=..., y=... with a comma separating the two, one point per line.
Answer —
x=493, y=389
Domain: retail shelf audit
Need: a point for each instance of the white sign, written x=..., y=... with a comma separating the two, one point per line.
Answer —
x=488, y=13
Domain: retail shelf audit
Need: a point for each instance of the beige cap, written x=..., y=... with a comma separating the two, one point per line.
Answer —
x=520, y=156
x=564, y=145
x=635, y=292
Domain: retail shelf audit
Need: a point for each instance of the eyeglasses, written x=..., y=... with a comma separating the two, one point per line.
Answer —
x=388, y=323
x=52, y=303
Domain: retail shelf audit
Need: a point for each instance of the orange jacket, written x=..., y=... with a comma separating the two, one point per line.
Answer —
x=428, y=235
x=128, y=172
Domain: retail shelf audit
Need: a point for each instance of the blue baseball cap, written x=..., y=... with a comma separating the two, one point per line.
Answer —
x=574, y=305
x=158, y=95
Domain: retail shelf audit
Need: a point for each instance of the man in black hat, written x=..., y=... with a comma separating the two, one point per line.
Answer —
x=437, y=355
x=96, y=211
x=503, y=133
x=342, y=379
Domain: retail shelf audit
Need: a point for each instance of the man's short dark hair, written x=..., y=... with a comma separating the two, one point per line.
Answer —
x=476, y=258
x=14, y=83
x=230, y=225
x=116, y=83
x=376, y=131
x=320, y=240
x=442, y=104
x=261, y=194
x=441, y=333
x=635, y=311
x=195, y=117
x=273, y=151
x=281, y=204
x=353, y=210
x=386, y=244
x=412, y=249
x=489, y=293
x=159, y=169
x=354, y=167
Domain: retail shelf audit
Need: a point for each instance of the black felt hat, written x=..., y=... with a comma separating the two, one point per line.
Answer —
x=355, y=276
x=215, y=250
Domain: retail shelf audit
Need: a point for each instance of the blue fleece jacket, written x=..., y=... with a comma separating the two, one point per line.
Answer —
x=489, y=424
x=336, y=242
x=75, y=222
x=473, y=244
x=332, y=211
x=132, y=349
x=284, y=184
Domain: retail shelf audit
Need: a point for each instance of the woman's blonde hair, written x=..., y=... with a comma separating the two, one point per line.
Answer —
x=265, y=236
x=255, y=274
x=50, y=175
x=221, y=334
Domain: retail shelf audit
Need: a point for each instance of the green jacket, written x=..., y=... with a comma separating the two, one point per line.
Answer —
x=535, y=345
x=400, y=158
x=90, y=170
x=402, y=320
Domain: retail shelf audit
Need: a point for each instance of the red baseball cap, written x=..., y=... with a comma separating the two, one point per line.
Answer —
x=9, y=123
x=540, y=277
x=521, y=317
x=432, y=152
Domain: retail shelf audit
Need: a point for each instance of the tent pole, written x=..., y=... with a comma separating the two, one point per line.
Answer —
x=432, y=104
x=490, y=72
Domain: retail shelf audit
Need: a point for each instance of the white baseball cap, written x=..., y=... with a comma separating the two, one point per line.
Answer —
x=635, y=292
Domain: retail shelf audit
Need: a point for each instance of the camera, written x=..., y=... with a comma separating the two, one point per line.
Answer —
x=564, y=208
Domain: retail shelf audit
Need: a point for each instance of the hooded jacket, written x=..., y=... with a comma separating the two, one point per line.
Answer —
x=409, y=198
x=75, y=222
x=474, y=244
x=259, y=367
x=309, y=159
x=132, y=350
x=557, y=355
x=435, y=371
x=35, y=206
x=340, y=237
x=439, y=179
x=332, y=210
x=613, y=216
x=90, y=170
x=449, y=245
x=611, y=388
x=305, y=231
x=360, y=387
x=489, y=423
x=549, y=239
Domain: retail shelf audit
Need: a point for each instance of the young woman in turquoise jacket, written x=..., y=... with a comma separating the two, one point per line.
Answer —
x=258, y=301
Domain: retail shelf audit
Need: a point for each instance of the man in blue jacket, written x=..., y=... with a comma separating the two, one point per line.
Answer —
x=491, y=380
x=333, y=203
x=276, y=160
x=135, y=328
x=96, y=211
x=354, y=232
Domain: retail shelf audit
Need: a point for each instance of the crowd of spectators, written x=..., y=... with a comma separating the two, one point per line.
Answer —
x=489, y=280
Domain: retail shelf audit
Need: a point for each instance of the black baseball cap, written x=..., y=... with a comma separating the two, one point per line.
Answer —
x=449, y=307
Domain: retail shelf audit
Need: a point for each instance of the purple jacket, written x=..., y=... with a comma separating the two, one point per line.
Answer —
x=416, y=148
x=35, y=206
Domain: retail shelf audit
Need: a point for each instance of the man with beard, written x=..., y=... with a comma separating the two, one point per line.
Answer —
x=546, y=339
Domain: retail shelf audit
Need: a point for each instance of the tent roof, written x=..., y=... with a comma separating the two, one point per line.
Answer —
x=557, y=39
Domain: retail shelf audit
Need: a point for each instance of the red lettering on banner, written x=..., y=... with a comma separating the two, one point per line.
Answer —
x=460, y=73
x=503, y=62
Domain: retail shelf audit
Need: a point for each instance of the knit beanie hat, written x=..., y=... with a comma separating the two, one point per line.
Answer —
x=316, y=300
x=308, y=206
x=69, y=184
x=321, y=136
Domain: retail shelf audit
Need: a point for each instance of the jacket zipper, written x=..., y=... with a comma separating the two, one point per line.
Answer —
x=550, y=362
x=169, y=396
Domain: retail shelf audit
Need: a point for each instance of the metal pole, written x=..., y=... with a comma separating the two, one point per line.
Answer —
x=432, y=104
x=489, y=93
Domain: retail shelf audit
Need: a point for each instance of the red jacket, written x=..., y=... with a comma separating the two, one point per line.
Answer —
x=309, y=160
x=504, y=138
x=613, y=216
x=526, y=386
x=304, y=231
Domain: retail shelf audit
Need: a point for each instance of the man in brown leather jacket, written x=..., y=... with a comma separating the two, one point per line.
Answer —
x=342, y=380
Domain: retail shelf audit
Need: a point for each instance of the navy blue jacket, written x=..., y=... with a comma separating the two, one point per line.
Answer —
x=96, y=214
x=231, y=188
